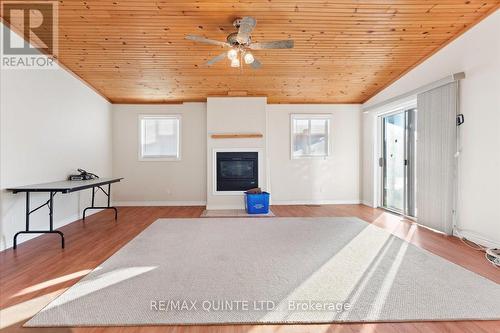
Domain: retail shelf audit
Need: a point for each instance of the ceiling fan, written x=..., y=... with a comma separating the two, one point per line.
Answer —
x=240, y=44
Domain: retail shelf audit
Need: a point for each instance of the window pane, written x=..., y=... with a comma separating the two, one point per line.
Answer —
x=300, y=137
x=160, y=137
x=310, y=137
x=319, y=126
x=301, y=125
x=394, y=157
x=318, y=137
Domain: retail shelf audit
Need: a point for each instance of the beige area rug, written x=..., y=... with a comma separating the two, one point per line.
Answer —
x=231, y=213
x=270, y=270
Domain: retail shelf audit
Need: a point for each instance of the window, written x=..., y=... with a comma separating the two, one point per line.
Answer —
x=310, y=134
x=159, y=137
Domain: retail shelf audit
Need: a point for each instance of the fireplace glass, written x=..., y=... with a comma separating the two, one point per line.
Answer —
x=237, y=171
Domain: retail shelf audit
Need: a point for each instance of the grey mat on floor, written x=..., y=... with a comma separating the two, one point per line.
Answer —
x=270, y=270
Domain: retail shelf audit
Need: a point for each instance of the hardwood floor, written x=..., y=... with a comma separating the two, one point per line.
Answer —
x=38, y=271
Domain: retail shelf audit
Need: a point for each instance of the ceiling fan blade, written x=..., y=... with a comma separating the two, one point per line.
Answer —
x=256, y=64
x=202, y=39
x=218, y=58
x=279, y=44
x=247, y=24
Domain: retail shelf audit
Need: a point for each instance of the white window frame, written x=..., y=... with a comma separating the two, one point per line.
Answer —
x=140, y=137
x=310, y=116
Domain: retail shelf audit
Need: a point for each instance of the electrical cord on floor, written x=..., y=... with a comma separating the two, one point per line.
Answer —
x=491, y=254
x=473, y=245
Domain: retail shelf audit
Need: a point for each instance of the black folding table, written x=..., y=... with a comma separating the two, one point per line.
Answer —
x=64, y=186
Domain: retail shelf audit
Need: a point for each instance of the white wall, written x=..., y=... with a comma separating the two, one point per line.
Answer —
x=333, y=180
x=51, y=124
x=477, y=53
x=160, y=182
x=188, y=182
x=368, y=160
x=235, y=115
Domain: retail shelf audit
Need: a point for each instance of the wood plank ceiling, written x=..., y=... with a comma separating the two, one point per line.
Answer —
x=134, y=51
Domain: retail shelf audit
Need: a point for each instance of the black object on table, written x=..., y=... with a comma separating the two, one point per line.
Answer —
x=65, y=186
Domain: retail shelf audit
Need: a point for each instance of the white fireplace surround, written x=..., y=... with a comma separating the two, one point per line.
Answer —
x=260, y=163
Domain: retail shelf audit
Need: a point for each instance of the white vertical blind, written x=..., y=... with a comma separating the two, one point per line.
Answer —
x=436, y=165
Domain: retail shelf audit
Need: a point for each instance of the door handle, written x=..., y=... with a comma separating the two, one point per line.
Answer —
x=381, y=162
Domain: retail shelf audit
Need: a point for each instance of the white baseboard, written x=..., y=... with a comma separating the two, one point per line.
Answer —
x=476, y=238
x=159, y=203
x=315, y=202
x=213, y=207
x=9, y=242
x=368, y=203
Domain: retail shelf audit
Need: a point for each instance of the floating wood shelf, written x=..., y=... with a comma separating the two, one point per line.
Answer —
x=237, y=136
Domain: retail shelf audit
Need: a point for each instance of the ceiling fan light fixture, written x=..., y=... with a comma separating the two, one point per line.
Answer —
x=232, y=54
x=239, y=43
x=235, y=62
x=248, y=58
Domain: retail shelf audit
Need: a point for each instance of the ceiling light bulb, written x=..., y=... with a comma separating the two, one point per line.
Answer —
x=232, y=54
x=235, y=62
x=249, y=58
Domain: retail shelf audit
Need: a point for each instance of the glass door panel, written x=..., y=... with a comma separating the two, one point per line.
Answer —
x=394, y=161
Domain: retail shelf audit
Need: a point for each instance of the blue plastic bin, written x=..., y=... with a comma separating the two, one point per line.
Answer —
x=257, y=203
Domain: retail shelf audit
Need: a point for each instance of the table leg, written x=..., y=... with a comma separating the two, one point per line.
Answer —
x=51, y=211
x=108, y=194
x=27, y=211
x=50, y=204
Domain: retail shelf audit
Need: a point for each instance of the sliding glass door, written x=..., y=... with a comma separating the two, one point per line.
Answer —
x=398, y=162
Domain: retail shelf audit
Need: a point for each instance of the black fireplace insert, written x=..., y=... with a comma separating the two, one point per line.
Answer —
x=237, y=171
